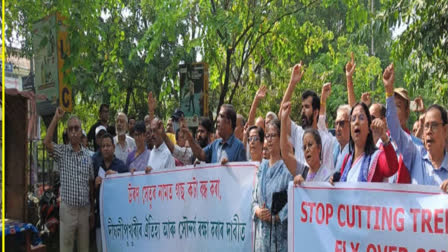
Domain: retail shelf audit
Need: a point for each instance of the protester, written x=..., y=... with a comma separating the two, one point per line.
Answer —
x=259, y=95
x=109, y=165
x=342, y=127
x=255, y=141
x=160, y=157
x=270, y=116
x=309, y=116
x=272, y=176
x=180, y=151
x=124, y=144
x=260, y=122
x=239, y=129
x=104, y=120
x=148, y=138
x=97, y=158
x=76, y=172
x=227, y=149
x=428, y=164
x=131, y=124
x=85, y=143
x=266, y=153
x=137, y=160
x=204, y=133
x=365, y=162
x=312, y=148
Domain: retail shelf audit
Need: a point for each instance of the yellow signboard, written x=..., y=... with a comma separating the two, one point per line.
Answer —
x=65, y=92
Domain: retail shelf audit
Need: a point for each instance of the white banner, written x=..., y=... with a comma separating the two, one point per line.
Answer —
x=206, y=208
x=369, y=217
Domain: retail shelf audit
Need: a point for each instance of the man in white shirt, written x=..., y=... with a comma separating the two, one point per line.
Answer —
x=161, y=157
x=124, y=144
x=309, y=116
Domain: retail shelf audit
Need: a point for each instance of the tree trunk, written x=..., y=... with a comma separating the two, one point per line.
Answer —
x=225, y=87
x=128, y=97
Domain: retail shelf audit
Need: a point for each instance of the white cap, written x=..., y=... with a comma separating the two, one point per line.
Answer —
x=99, y=128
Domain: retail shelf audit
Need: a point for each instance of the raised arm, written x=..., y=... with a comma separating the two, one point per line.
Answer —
x=285, y=147
x=260, y=95
x=296, y=76
x=349, y=71
x=404, y=141
x=326, y=91
x=48, y=140
x=197, y=150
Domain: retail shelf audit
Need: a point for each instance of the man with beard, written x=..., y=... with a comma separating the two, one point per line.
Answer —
x=204, y=132
x=124, y=144
x=428, y=164
x=226, y=149
x=309, y=117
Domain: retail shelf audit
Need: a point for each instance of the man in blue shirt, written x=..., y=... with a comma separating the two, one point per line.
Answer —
x=428, y=164
x=226, y=149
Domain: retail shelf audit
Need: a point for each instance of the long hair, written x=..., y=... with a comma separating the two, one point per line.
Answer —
x=370, y=147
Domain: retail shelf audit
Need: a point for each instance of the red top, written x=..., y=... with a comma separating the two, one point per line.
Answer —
x=386, y=164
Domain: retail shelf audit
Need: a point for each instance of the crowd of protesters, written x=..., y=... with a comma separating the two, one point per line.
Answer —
x=371, y=143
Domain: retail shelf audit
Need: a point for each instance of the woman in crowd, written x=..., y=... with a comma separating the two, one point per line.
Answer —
x=255, y=141
x=365, y=162
x=273, y=176
x=138, y=159
x=312, y=149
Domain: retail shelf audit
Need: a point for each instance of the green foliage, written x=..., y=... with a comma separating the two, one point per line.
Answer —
x=120, y=50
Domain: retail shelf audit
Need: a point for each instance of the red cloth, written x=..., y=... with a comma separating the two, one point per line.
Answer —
x=386, y=166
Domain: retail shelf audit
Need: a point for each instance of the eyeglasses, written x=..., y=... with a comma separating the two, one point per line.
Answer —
x=361, y=117
x=433, y=126
x=253, y=138
x=307, y=146
x=270, y=136
x=340, y=123
x=73, y=128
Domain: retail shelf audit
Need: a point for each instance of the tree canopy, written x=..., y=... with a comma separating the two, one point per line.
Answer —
x=120, y=50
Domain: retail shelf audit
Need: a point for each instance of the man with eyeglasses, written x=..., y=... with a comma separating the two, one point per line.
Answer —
x=226, y=149
x=428, y=164
x=76, y=171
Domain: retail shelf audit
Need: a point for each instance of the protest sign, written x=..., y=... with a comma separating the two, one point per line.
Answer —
x=370, y=217
x=202, y=208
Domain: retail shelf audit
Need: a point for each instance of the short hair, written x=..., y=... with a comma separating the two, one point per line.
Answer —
x=243, y=120
x=230, y=114
x=207, y=124
x=122, y=113
x=107, y=135
x=103, y=106
x=260, y=132
x=140, y=127
x=442, y=111
x=316, y=100
x=271, y=115
x=344, y=108
x=275, y=123
x=74, y=117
